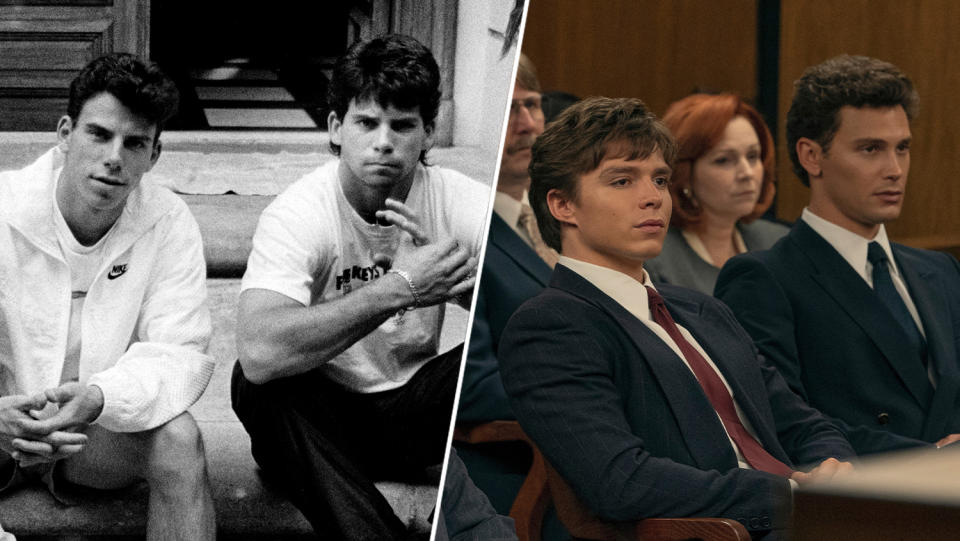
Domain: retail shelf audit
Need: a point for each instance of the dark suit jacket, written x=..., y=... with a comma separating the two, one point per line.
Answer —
x=512, y=273
x=626, y=423
x=839, y=347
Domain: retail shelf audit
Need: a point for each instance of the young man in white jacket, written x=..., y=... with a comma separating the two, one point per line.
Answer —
x=103, y=318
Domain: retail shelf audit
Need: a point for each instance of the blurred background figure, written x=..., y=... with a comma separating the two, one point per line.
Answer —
x=555, y=101
x=513, y=271
x=722, y=183
x=516, y=267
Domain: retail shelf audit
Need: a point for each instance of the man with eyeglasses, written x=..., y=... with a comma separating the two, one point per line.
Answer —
x=517, y=267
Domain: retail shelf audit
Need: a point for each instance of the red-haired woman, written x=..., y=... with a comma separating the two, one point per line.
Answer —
x=722, y=182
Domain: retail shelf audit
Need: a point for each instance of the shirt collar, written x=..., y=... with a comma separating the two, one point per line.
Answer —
x=851, y=246
x=620, y=287
x=508, y=208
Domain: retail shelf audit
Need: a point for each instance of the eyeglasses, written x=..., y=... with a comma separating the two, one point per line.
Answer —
x=532, y=104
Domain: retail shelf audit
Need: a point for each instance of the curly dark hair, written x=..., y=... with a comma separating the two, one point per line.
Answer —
x=579, y=139
x=393, y=70
x=140, y=86
x=822, y=90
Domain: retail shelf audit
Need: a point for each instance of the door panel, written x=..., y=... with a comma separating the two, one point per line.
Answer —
x=43, y=43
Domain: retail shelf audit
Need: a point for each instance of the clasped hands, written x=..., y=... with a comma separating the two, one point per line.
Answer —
x=441, y=269
x=32, y=435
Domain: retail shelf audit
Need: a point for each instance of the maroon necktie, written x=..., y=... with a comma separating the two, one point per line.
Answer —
x=716, y=392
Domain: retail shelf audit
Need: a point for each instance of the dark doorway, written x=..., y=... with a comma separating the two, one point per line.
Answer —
x=249, y=65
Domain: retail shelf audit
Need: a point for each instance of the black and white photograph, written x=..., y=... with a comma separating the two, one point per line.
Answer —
x=240, y=243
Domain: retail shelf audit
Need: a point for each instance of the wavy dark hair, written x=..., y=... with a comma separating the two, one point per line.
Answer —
x=857, y=81
x=393, y=70
x=579, y=139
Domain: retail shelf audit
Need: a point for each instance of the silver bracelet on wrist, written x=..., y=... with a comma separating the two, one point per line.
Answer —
x=413, y=289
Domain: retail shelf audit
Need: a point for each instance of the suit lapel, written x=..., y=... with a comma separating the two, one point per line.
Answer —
x=923, y=282
x=683, y=393
x=723, y=349
x=513, y=247
x=856, y=299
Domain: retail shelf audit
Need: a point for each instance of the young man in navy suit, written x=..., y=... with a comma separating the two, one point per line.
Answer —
x=864, y=329
x=650, y=401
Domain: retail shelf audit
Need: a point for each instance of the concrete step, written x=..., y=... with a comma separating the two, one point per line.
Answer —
x=247, y=508
x=246, y=163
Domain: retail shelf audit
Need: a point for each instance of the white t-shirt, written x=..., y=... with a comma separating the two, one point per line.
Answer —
x=83, y=262
x=312, y=246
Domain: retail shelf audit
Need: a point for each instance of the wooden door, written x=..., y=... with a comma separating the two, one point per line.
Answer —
x=43, y=43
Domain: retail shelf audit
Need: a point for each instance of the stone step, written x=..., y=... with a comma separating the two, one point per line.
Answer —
x=246, y=507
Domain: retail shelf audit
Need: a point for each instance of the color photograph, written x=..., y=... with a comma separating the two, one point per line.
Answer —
x=709, y=305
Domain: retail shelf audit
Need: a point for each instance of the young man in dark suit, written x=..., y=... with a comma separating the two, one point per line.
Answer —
x=650, y=401
x=864, y=329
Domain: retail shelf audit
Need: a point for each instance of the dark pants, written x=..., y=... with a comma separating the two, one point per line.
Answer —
x=325, y=445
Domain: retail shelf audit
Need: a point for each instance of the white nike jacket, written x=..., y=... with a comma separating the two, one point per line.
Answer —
x=145, y=323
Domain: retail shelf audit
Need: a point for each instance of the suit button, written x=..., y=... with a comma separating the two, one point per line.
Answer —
x=883, y=418
x=765, y=522
x=754, y=523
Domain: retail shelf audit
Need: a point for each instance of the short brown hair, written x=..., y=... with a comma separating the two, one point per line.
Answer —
x=822, y=90
x=527, y=74
x=698, y=122
x=579, y=139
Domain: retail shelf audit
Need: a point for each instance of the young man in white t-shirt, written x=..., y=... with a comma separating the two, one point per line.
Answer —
x=103, y=318
x=339, y=380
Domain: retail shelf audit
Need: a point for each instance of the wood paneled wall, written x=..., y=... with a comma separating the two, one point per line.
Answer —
x=658, y=51
x=921, y=38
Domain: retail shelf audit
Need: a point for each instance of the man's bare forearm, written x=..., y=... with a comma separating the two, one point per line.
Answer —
x=277, y=336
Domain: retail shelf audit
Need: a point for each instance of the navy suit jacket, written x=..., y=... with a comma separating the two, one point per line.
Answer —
x=512, y=273
x=626, y=423
x=839, y=347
